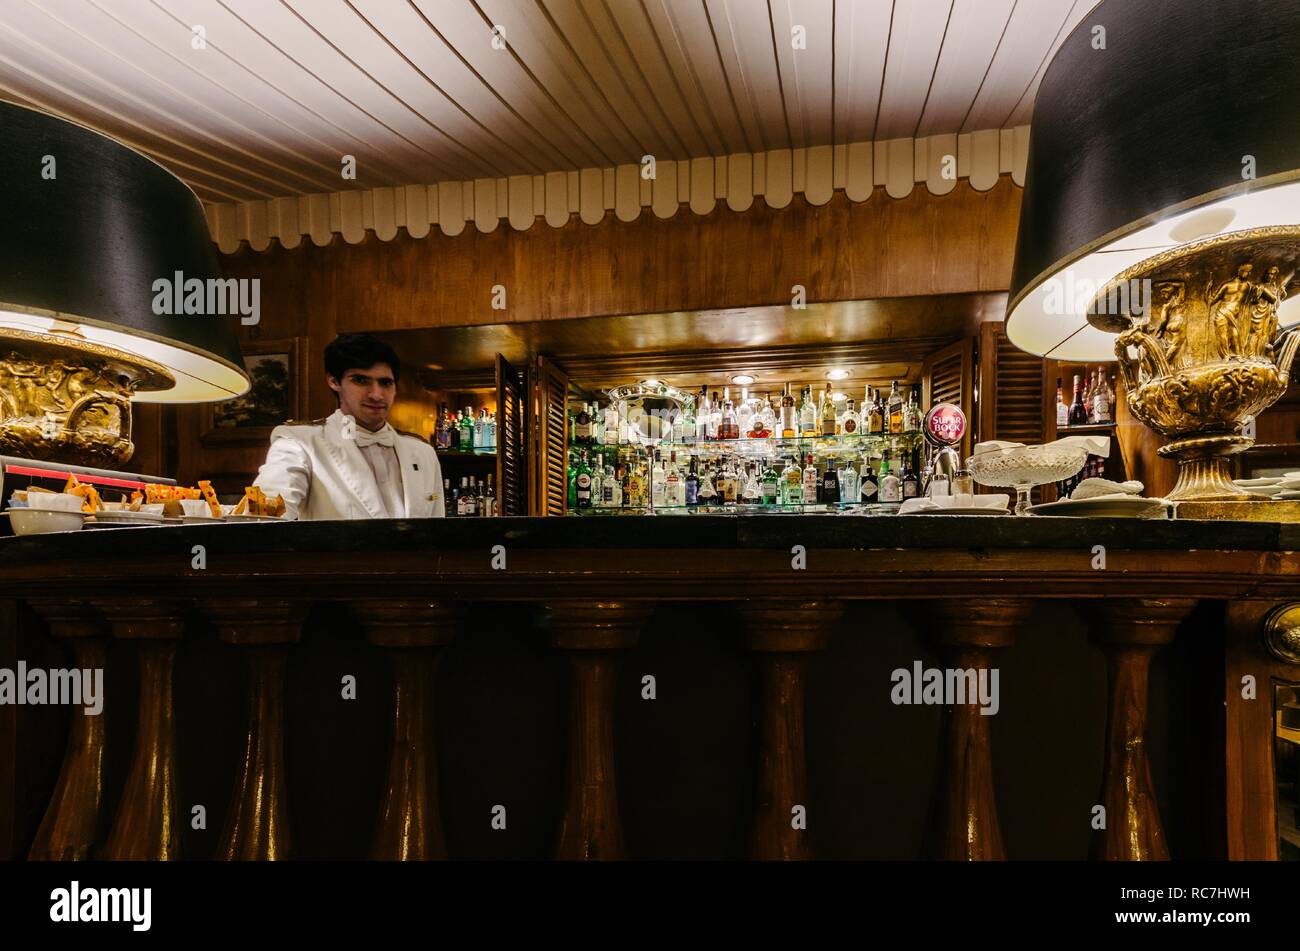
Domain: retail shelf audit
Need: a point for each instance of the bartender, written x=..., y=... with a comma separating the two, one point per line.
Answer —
x=353, y=464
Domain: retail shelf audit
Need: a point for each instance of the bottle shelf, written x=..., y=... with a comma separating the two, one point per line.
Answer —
x=739, y=508
x=481, y=452
x=779, y=446
x=1087, y=428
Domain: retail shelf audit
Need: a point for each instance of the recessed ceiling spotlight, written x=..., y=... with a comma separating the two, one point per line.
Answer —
x=742, y=379
x=837, y=374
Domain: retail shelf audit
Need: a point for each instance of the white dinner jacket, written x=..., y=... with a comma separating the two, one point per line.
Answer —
x=322, y=474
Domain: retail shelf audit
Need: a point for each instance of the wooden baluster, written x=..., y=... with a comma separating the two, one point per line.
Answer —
x=412, y=634
x=72, y=820
x=147, y=824
x=257, y=826
x=970, y=630
x=782, y=633
x=590, y=632
x=1129, y=631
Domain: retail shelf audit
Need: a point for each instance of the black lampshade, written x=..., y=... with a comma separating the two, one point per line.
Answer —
x=1146, y=145
x=85, y=234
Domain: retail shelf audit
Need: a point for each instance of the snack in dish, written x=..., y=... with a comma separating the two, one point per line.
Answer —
x=210, y=497
x=91, y=502
x=255, y=502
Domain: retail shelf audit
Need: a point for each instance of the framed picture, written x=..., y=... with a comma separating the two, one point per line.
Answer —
x=277, y=395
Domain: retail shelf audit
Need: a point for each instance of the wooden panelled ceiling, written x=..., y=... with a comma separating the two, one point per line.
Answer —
x=249, y=99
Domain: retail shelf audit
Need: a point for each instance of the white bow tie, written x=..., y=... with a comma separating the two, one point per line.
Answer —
x=364, y=438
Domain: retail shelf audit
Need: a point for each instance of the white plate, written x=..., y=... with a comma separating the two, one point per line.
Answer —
x=41, y=521
x=120, y=515
x=964, y=510
x=1135, y=507
x=253, y=518
x=200, y=519
x=1258, y=483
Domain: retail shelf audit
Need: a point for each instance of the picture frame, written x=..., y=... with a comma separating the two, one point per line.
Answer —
x=278, y=395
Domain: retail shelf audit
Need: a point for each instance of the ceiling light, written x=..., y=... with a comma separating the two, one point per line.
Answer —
x=742, y=379
x=837, y=374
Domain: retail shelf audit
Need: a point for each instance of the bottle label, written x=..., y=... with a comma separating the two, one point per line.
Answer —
x=850, y=426
x=869, y=488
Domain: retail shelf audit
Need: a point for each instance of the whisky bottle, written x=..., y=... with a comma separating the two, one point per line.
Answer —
x=791, y=483
x=895, y=410
x=875, y=413
x=829, y=427
x=849, y=421
x=728, y=425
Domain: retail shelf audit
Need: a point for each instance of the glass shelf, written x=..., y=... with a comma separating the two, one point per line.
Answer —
x=749, y=446
x=464, y=453
x=737, y=508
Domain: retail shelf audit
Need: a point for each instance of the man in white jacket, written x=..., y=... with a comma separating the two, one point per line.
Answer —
x=353, y=464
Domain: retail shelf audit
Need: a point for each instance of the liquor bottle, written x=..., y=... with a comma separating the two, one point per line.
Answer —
x=492, y=431
x=582, y=427
x=730, y=488
x=462, y=497
x=744, y=414
x=702, y=416
x=476, y=432
x=1062, y=407
x=453, y=434
x=442, y=432
x=768, y=414
x=771, y=486
x=911, y=484
x=912, y=412
x=573, y=482
x=1078, y=412
x=875, y=413
x=849, y=423
x=751, y=494
x=467, y=429
x=583, y=484
x=789, y=419
x=635, y=493
x=728, y=425
x=830, y=484
x=614, y=478
x=597, y=481
x=715, y=416
x=791, y=483
x=807, y=415
x=895, y=410
x=708, y=492
x=891, y=490
x=1100, y=403
x=759, y=421
x=693, y=484
x=611, y=425
x=449, y=498
x=829, y=427
x=810, y=483
x=605, y=499
x=490, y=500
x=656, y=482
x=868, y=489
x=848, y=484
x=674, y=489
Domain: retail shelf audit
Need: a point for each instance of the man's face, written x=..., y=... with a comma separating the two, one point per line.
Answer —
x=366, y=395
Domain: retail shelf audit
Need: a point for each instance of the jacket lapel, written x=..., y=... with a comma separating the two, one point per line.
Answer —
x=352, y=467
x=406, y=464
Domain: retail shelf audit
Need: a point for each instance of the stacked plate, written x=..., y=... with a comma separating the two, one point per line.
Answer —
x=119, y=518
x=1285, y=487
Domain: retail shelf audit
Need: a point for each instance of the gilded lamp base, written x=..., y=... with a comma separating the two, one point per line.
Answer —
x=67, y=399
x=1200, y=349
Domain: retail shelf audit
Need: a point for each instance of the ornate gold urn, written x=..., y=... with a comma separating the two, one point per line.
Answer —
x=67, y=399
x=1199, y=347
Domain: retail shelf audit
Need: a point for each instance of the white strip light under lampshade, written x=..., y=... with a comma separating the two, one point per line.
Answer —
x=1033, y=326
x=199, y=378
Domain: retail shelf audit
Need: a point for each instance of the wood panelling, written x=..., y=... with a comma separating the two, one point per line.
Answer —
x=922, y=245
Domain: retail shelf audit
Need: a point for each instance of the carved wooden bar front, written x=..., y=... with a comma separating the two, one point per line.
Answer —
x=1129, y=631
x=782, y=634
x=257, y=825
x=147, y=824
x=591, y=633
x=71, y=826
x=970, y=631
x=412, y=634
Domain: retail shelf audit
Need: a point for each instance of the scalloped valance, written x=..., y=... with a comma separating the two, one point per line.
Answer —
x=817, y=172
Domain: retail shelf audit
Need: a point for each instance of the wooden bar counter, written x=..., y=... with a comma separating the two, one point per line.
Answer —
x=588, y=589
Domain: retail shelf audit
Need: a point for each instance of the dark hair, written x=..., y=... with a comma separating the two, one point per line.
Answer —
x=359, y=352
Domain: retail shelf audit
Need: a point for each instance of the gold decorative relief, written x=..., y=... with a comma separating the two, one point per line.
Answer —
x=67, y=399
x=1199, y=346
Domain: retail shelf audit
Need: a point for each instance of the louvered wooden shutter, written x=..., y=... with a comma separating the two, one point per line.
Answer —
x=550, y=439
x=1011, y=389
x=512, y=444
x=947, y=376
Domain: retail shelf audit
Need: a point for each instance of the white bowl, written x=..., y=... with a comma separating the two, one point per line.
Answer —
x=196, y=508
x=54, y=501
x=39, y=521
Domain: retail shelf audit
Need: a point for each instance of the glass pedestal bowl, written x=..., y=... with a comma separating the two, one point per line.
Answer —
x=1024, y=467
